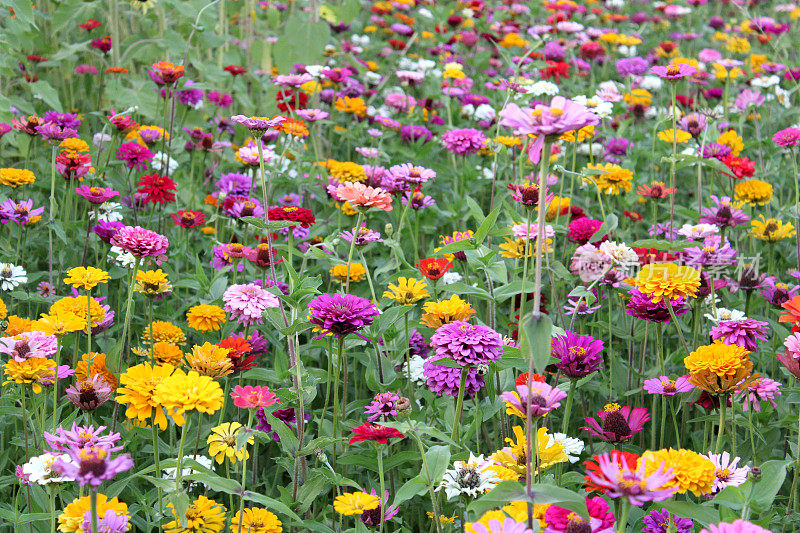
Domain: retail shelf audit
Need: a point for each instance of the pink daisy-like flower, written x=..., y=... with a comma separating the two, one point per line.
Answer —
x=412, y=174
x=667, y=387
x=539, y=397
x=31, y=344
x=247, y=303
x=737, y=526
x=673, y=72
x=249, y=397
x=636, y=485
x=96, y=195
x=727, y=474
x=141, y=242
x=135, y=155
x=764, y=389
x=359, y=195
x=617, y=424
x=787, y=137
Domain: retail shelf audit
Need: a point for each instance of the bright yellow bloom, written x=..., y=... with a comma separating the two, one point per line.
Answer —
x=3, y=310
x=720, y=368
x=164, y=332
x=771, y=229
x=256, y=520
x=182, y=392
x=138, y=387
x=639, y=96
x=205, y=317
x=17, y=325
x=558, y=206
x=33, y=370
x=517, y=248
x=511, y=40
x=73, y=144
x=678, y=136
x=86, y=277
x=453, y=71
x=755, y=192
x=722, y=73
x=407, y=291
x=732, y=140
x=355, y=503
x=445, y=311
x=77, y=307
x=339, y=272
x=203, y=516
x=508, y=141
x=152, y=282
x=514, y=457
x=163, y=352
x=210, y=360
x=14, y=177
x=692, y=471
x=345, y=171
x=586, y=132
x=738, y=45
x=667, y=280
x=222, y=443
x=59, y=322
x=611, y=179
x=72, y=517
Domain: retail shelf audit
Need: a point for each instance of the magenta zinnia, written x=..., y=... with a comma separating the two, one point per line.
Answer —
x=467, y=344
x=340, y=314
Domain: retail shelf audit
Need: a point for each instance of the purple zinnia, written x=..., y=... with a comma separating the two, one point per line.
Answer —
x=632, y=66
x=64, y=120
x=110, y=523
x=662, y=522
x=642, y=307
x=787, y=137
x=723, y=214
x=578, y=355
x=616, y=148
x=52, y=131
x=445, y=380
x=81, y=437
x=373, y=517
x=464, y=141
x=714, y=252
x=93, y=465
x=413, y=133
x=467, y=344
x=417, y=344
x=778, y=293
x=745, y=333
x=340, y=314
x=673, y=72
x=107, y=230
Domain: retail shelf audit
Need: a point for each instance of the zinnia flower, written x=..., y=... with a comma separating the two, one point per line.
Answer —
x=222, y=443
x=355, y=503
x=617, y=424
x=340, y=314
x=249, y=397
x=205, y=317
x=467, y=344
x=375, y=433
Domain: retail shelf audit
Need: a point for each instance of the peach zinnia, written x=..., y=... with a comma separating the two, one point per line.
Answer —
x=361, y=196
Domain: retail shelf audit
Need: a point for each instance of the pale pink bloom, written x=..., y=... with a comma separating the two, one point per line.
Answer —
x=727, y=474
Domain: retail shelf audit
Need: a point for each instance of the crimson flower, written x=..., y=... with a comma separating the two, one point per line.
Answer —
x=434, y=268
x=555, y=70
x=89, y=25
x=235, y=70
x=157, y=188
x=289, y=99
x=188, y=219
x=375, y=433
x=295, y=214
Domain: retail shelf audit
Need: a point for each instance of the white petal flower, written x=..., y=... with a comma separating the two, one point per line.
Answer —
x=572, y=447
x=11, y=276
x=471, y=478
x=39, y=469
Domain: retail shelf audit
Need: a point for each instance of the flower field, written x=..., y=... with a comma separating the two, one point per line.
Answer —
x=400, y=266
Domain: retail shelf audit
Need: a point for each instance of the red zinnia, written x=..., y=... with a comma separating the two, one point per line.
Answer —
x=626, y=460
x=36, y=58
x=633, y=215
x=522, y=379
x=740, y=167
x=289, y=99
x=157, y=188
x=238, y=353
x=89, y=25
x=295, y=214
x=555, y=70
x=188, y=219
x=652, y=255
x=235, y=70
x=103, y=44
x=375, y=433
x=434, y=268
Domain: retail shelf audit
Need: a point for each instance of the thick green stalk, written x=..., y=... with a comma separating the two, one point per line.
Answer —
x=460, y=402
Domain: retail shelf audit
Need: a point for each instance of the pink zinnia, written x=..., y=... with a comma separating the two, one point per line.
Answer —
x=617, y=424
x=359, y=195
x=667, y=387
x=141, y=242
x=787, y=137
x=135, y=155
x=29, y=345
x=464, y=141
x=737, y=526
x=249, y=397
x=96, y=195
x=247, y=303
x=622, y=482
x=764, y=389
x=673, y=72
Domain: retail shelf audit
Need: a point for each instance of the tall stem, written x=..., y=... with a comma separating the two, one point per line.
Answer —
x=179, y=471
x=383, y=484
x=359, y=219
x=157, y=461
x=244, y=475
x=460, y=402
x=93, y=508
x=52, y=220
x=568, y=407
x=127, y=320
x=723, y=405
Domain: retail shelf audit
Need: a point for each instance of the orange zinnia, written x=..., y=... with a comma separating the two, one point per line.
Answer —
x=792, y=313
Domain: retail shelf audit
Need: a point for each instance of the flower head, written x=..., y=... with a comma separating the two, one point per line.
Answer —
x=205, y=317
x=222, y=443
x=467, y=344
x=578, y=355
x=375, y=433
x=355, y=503
x=340, y=314
x=617, y=424
x=249, y=397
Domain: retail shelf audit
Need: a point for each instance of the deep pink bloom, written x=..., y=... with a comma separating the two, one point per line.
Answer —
x=737, y=526
x=135, y=155
x=617, y=424
x=464, y=141
x=96, y=195
x=620, y=481
x=764, y=389
x=673, y=72
x=340, y=314
x=745, y=333
x=667, y=387
x=560, y=520
x=141, y=242
x=468, y=344
x=382, y=405
x=257, y=123
x=787, y=137
x=249, y=397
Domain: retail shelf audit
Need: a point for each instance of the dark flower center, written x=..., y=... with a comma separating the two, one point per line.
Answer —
x=96, y=466
x=615, y=423
x=577, y=525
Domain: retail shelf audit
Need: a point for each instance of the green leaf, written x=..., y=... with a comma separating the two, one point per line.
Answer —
x=610, y=224
x=41, y=90
x=271, y=225
x=413, y=487
x=699, y=513
x=535, y=336
x=541, y=493
x=446, y=361
x=764, y=491
x=487, y=224
x=516, y=287
x=181, y=503
x=438, y=459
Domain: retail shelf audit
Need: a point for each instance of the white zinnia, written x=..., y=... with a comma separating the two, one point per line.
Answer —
x=471, y=478
x=11, y=276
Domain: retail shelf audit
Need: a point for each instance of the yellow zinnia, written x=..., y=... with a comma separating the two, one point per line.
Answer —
x=205, y=317
x=188, y=391
x=14, y=177
x=222, y=443
x=720, y=368
x=678, y=136
x=771, y=229
x=610, y=178
x=355, y=503
x=137, y=391
x=31, y=371
x=210, y=360
x=693, y=472
x=73, y=516
x=755, y=192
x=256, y=520
x=86, y=277
x=407, y=291
x=152, y=282
x=667, y=280
x=339, y=272
x=203, y=516
x=445, y=311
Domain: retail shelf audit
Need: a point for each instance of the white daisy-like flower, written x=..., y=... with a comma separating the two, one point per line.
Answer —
x=765, y=81
x=543, y=87
x=11, y=276
x=415, y=363
x=651, y=83
x=698, y=231
x=315, y=70
x=360, y=40
x=471, y=478
x=485, y=112
x=620, y=254
x=161, y=161
x=40, y=470
x=585, y=148
x=107, y=212
x=169, y=473
x=121, y=257
x=596, y=105
x=572, y=447
x=727, y=474
x=451, y=277
x=724, y=314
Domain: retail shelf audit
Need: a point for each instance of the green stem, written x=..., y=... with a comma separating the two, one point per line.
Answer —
x=359, y=218
x=179, y=471
x=437, y=518
x=93, y=508
x=459, y=402
x=622, y=523
x=157, y=461
x=244, y=474
x=723, y=405
x=677, y=325
x=383, y=484
x=127, y=321
x=568, y=407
